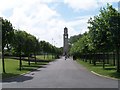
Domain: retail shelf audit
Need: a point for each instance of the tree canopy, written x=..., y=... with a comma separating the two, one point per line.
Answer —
x=103, y=34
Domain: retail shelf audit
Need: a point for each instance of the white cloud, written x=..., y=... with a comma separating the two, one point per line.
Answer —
x=81, y=4
x=80, y=23
x=37, y=18
x=78, y=5
x=108, y=1
x=104, y=2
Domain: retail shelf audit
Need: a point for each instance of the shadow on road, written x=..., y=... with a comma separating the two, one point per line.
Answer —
x=21, y=78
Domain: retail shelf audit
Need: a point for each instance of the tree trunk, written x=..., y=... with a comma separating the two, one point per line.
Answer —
x=20, y=63
x=94, y=60
x=35, y=58
x=47, y=55
x=85, y=57
x=107, y=57
x=52, y=55
x=90, y=58
x=117, y=56
x=113, y=58
x=90, y=61
x=29, y=60
x=44, y=56
x=3, y=63
x=99, y=57
x=103, y=60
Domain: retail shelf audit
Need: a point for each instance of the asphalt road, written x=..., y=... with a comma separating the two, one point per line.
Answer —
x=60, y=74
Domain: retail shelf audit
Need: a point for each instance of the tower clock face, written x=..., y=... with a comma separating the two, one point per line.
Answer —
x=65, y=36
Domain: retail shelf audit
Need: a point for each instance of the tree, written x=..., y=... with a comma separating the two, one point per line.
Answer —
x=0, y=36
x=36, y=48
x=74, y=38
x=43, y=47
x=19, y=45
x=7, y=37
x=30, y=46
x=115, y=31
x=105, y=32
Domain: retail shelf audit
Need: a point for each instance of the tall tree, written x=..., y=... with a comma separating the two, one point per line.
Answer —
x=7, y=37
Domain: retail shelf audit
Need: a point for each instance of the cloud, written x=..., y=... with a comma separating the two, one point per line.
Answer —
x=81, y=4
x=80, y=23
x=38, y=19
x=108, y=1
x=104, y=2
x=45, y=22
x=78, y=5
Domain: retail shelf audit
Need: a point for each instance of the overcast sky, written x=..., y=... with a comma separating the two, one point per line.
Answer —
x=46, y=19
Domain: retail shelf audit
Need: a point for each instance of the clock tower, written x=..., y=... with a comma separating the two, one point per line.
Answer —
x=65, y=41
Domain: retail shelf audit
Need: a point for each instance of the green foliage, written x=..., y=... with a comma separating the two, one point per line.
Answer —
x=46, y=47
x=7, y=33
x=7, y=37
x=103, y=35
x=74, y=38
x=81, y=46
x=20, y=43
x=104, y=32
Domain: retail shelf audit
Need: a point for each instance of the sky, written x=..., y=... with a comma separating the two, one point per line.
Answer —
x=46, y=19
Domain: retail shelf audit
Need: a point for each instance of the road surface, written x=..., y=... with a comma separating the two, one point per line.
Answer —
x=60, y=74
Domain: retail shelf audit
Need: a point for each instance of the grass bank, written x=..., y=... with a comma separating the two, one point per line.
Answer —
x=109, y=71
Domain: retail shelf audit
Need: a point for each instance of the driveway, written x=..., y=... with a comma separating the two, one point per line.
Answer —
x=60, y=74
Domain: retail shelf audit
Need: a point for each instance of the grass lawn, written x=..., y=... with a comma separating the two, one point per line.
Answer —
x=109, y=71
x=47, y=57
x=12, y=67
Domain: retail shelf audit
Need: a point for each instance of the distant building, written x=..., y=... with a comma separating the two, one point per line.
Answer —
x=65, y=41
